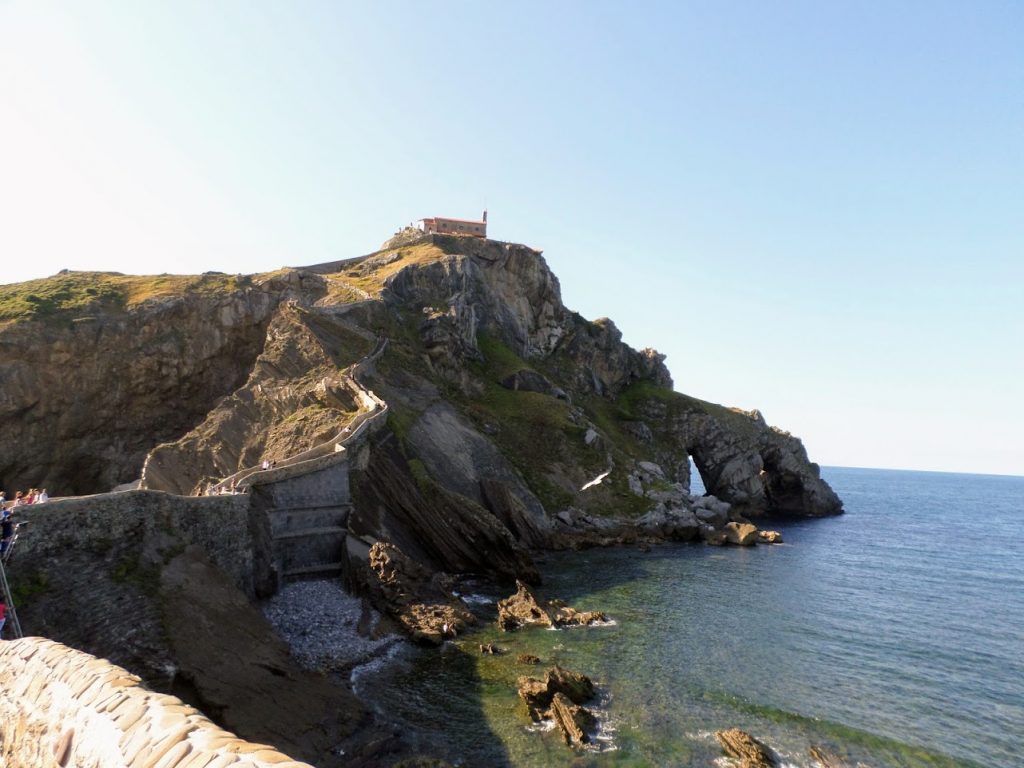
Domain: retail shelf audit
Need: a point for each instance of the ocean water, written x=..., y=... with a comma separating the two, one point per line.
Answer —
x=892, y=635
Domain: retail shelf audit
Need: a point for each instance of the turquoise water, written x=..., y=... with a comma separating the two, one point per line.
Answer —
x=892, y=635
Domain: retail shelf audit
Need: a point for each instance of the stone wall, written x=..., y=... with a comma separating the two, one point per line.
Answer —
x=154, y=524
x=61, y=707
x=86, y=571
x=324, y=485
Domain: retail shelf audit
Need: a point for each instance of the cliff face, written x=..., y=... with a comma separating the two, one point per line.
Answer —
x=86, y=391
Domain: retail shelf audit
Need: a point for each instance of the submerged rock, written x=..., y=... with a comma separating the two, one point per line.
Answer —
x=743, y=747
x=827, y=759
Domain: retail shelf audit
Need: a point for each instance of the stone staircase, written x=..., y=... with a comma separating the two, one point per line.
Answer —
x=309, y=541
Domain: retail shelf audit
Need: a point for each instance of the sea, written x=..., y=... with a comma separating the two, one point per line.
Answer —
x=892, y=635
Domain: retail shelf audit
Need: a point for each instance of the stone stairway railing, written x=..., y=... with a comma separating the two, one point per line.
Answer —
x=374, y=408
x=308, y=523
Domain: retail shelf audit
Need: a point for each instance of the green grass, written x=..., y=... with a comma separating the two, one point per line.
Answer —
x=78, y=294
x=29, y=586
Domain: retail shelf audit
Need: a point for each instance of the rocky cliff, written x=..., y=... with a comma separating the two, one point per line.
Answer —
x=431, y=408
x=498, y=392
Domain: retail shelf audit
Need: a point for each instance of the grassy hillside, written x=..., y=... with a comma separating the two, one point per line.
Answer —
x=74, y=294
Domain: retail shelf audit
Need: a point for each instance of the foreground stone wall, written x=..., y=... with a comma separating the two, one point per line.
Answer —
x=87, y=571
x=153, y=524
x=62, y=707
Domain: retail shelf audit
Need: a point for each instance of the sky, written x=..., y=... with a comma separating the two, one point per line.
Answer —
x=813, y=209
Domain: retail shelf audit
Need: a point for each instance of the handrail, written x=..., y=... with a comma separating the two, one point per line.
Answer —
x=346, y=435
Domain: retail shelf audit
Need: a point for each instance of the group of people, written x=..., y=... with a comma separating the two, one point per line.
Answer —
x=34, y=496
x=7, y=509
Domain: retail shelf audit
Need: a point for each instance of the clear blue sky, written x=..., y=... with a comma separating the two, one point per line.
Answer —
x=815, y=209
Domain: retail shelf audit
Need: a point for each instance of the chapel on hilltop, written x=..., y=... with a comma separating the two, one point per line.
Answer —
x=442, y=226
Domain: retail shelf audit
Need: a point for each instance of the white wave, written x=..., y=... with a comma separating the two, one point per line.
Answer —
x=542, y=726
x=477, y=599
x=377, y=663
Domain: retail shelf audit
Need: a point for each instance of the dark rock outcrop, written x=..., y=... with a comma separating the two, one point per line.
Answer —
x=434, y=526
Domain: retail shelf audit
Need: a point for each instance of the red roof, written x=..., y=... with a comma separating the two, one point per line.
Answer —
x=448, y=218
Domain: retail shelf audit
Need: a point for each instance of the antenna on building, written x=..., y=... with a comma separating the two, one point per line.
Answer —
x=485, y=215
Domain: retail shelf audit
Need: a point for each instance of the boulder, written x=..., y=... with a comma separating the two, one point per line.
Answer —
x=651, y=469
x=527, y=658
x=670, y=523
x=574, y=721
x=713, y=536
x=741, y=534
x=743, y=747
x=769, y=537
x=536, y=695
x=490, y=649
x=408, y=591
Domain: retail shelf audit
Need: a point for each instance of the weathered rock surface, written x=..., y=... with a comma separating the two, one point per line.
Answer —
x=826, y=759
x=523, y=608
x=412, y=595
x=743, y=747
x=437, y=528
x=538, y=694
x=85, y=399
x=742, y=534
x=268, y=417
x=574, y=721
x=464, y=461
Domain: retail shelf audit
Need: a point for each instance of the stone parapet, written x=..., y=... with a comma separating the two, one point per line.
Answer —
x=62, y=707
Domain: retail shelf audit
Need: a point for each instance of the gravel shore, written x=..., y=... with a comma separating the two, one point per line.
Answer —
x=321, y=624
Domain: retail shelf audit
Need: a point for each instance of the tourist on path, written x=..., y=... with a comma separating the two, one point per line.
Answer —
x=6, y=532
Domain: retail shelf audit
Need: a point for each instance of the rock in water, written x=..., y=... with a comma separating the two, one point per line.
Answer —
x=523, y=608
x=750, y=752
x=574, y=721
x=827, y=759
x=769, y=537
x=406, y=590
x=538, y=694
x=743, y=534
